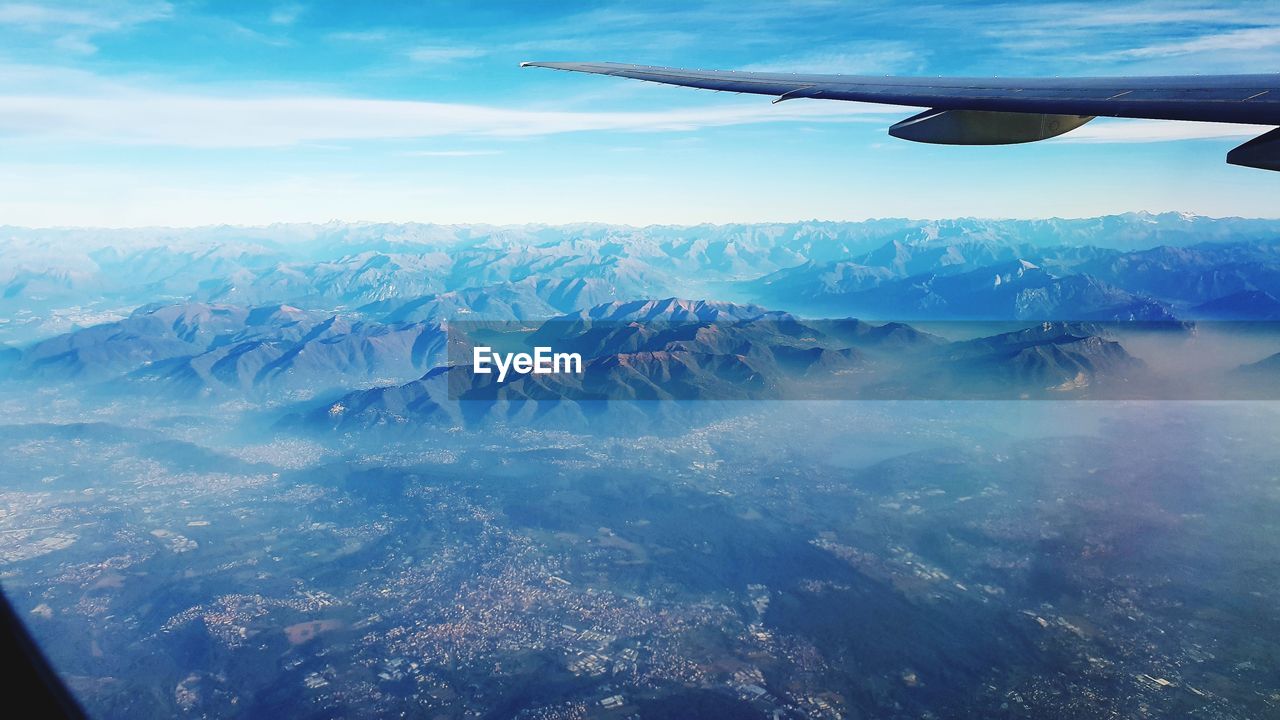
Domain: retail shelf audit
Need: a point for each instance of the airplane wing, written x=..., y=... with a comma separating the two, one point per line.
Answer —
x=998, y=111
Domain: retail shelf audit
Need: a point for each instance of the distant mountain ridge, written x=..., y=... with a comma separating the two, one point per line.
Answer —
x=1015, y=289
x=675, y=349
x=55, y=280
x=203, y=348
x=1072, y=283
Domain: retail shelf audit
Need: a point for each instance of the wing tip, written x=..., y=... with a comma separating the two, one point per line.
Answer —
x=577, y=66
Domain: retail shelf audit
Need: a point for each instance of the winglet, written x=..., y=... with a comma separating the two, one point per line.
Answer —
x=525, y=64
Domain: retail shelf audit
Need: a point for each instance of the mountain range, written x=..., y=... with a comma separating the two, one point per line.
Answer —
x=201, y=349
x=1136, y=264
x=371, y=312
x=685, y=350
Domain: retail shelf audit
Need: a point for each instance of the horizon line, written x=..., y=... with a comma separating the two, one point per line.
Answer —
x=602, y=223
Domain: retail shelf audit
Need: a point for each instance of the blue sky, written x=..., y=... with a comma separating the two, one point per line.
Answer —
x=125, y=113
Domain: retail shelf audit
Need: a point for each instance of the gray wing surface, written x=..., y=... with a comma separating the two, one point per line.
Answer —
x=987, y=111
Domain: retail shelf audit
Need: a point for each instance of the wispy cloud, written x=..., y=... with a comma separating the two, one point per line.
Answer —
x=286, y=14
x=126, y=117
x=443, y=54
x=1122, y=15
x=359, y=36
x=863, y=58
x=1124, y=36
x=450, y=153
x=72, y=27
x=1149, y=131
x=92, y=110
x=1235, y=41
x=75, y=44
x=89, y=16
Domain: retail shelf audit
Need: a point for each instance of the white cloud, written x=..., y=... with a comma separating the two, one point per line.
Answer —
x=71, y=28
x=450, y=153
x=204, y=121
x=1144, y=37
x=1241, y=40
x=441, y=54
x=75, y=44
x=286, y=14
x=864, y=58
x=1146, y=131
x=359, y=36
x=118, y=115
x=62, y=195
x=1122, y=15
x=99, y=17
